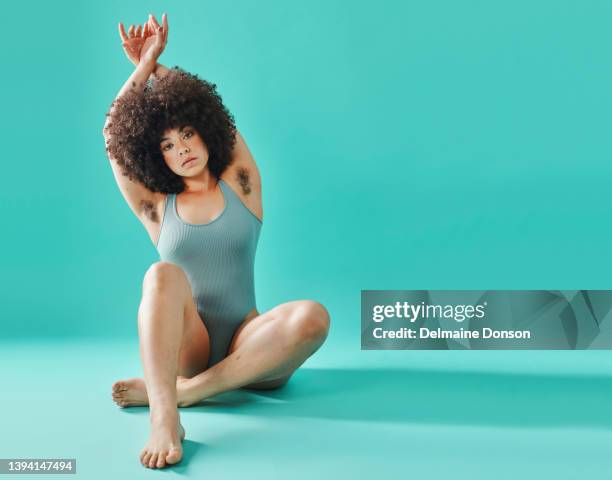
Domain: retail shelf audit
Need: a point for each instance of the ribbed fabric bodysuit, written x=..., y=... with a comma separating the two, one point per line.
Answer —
x=218, y=258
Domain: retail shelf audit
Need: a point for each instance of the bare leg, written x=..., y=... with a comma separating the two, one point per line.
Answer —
x=161, y=328
x=265, y=351
x=193, y=358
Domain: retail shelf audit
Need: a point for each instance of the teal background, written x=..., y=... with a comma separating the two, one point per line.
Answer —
x=402, y=145
x=438, y=145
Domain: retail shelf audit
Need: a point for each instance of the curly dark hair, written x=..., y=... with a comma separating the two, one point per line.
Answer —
x=138, y=119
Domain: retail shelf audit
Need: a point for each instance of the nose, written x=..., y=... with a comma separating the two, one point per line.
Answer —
x=183, y=150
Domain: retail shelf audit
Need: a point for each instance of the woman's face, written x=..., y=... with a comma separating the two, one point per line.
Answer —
x=184, y=151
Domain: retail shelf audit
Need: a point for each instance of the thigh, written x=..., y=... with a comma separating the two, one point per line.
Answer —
x=170, y=283
x=195, y=345
x=254, y=321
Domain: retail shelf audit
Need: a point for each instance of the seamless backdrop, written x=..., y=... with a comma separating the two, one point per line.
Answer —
x=404, y=145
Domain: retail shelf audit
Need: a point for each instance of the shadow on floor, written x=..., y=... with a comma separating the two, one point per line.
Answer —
x=428, y=397
x=191, y=449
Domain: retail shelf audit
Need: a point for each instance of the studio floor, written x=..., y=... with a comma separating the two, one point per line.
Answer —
x=345, y=414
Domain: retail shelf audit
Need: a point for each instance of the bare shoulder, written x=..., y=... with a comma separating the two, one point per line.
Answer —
x=243, y=176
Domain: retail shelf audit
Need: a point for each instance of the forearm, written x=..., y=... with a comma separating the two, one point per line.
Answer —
x=160, y=71
x=136, y=81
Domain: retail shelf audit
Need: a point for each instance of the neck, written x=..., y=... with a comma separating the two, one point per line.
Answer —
x=200, y=183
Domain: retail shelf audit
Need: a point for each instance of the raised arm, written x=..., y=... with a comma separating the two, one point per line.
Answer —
x=142, y=47
x=138, y=197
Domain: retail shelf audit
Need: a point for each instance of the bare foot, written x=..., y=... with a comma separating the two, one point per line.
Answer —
x=164, y=445
x=133, y=392
x=130, y=393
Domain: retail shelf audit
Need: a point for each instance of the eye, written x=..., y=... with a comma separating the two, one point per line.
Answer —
x=165, y=147
x=188, y=134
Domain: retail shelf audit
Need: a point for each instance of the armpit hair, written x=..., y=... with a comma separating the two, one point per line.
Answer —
x=242, y=175
x=148, y=207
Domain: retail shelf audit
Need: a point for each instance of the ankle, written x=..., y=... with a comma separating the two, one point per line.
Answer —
x=163, y=414
x=186, y=396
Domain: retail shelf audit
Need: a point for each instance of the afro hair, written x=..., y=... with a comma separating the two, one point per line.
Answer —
x=138, y=119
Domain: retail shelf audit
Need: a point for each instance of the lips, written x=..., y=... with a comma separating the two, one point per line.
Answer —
x=187, y=161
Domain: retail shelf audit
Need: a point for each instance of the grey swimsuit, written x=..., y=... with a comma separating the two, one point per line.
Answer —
x=218, y=258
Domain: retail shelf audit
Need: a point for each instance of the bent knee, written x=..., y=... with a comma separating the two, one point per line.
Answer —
x=163, y=275
x=311, y=321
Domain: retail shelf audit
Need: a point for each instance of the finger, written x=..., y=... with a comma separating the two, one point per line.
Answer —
x=138, y=32
x=154, y=22
x=131, y=31
x=122, y=33
x=153, y=26
x=165, y=27
x=165, y=23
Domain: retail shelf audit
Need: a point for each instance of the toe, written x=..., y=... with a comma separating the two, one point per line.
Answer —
x=153, y=460
x=145, y=458
x=161, y=460
x=174, y=455
x=120, y=387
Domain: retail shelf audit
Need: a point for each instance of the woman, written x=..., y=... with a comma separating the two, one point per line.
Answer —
x=190, y=179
